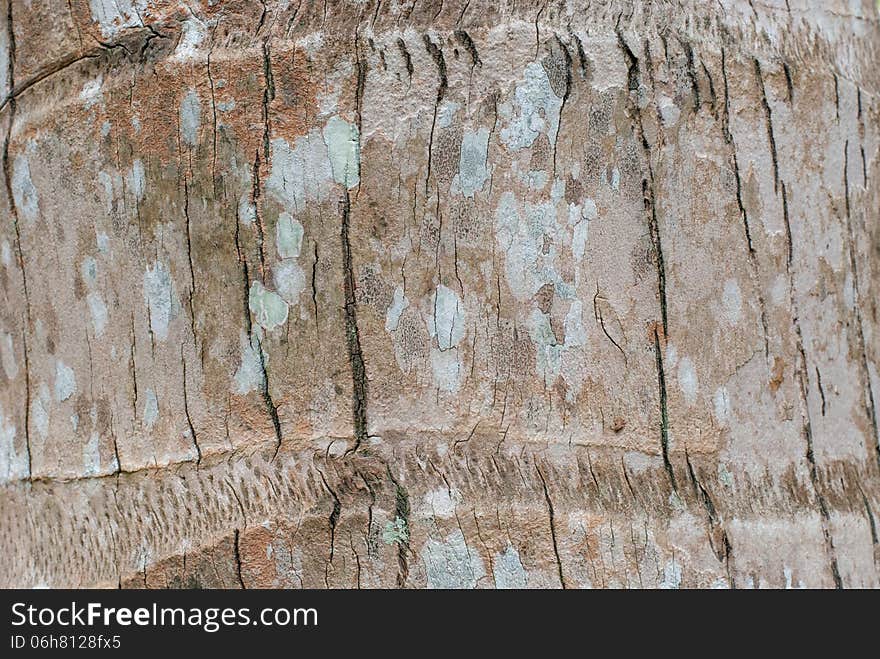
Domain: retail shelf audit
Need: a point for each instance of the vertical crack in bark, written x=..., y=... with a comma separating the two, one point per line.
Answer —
x=352, y=333
x=437, y=55
x=552, y=518
x=724, y=553
x=768, y=116
x=254, y=337
x=868, y=390
x=192, y=430
x=407, y=58
x=664, y=411
x=402, y=512
x=237, y=556
x=7, y=177
x=633, y=84
x=192, y=271
x=807, y=431
x=468, y=43
x=566, y=56
x=333, y=521
x=744, y=216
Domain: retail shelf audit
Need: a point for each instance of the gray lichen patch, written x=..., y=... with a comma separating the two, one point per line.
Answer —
x=507, y=568
x=190, y=117
x=23, y=191
x=535, y=110
x=161, y=299
x=249, y=375
x=65, y=381
x=451, y=563
x=268, y=308
x=343, y=148
x=288, y=236
x=300, y=173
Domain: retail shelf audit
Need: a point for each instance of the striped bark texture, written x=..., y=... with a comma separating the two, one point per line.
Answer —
x=463, y=293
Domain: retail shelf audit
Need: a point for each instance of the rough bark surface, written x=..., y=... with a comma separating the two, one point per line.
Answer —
x=444, y=294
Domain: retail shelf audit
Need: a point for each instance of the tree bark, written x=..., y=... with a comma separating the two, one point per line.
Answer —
x=444, y=294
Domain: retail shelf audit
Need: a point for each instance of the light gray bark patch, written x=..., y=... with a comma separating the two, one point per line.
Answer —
x=301, y=173
x=535, y=110
x=508, y=569
x=23, y=191
x=161, y=299
x=473, y=171
x=343, y=148
x=451, y=564
x=190, y=117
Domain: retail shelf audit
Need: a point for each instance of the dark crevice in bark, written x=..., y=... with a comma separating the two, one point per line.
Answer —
x=258, y=213
x=582, y=56
x=407, y=58
x=361, y=65
x=552, y=518
x=566, y=58
x=189, y=423
x=268, y=97
x=787, y=221
x=597, y=313
x=236, y=555
x=789, y=84
x=664, y=410
x=868, y=392
x=807, y=430
x=744, y=216
x=13, y=211
x=333, y=521
x=768, y=116
x=724, y=553
x=315, y=285
x=254, y=337
x=836, y=97
x=192, y=270
x=402, y=512
x=468, y=43
x=821, y=389
x=352, y=333
x=437, y=55
x=633, y=84
x=692, y=73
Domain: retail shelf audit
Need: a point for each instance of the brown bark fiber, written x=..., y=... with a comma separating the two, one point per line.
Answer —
x=439, y=294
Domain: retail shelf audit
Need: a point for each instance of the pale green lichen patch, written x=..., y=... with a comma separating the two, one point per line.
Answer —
x=300, y=173
x=396, y=532
x=536, y=110
x=446, y=321
x=268, y=308
x=249, y=375
x=289, y=279
x=343, y=147
x=288, y=236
